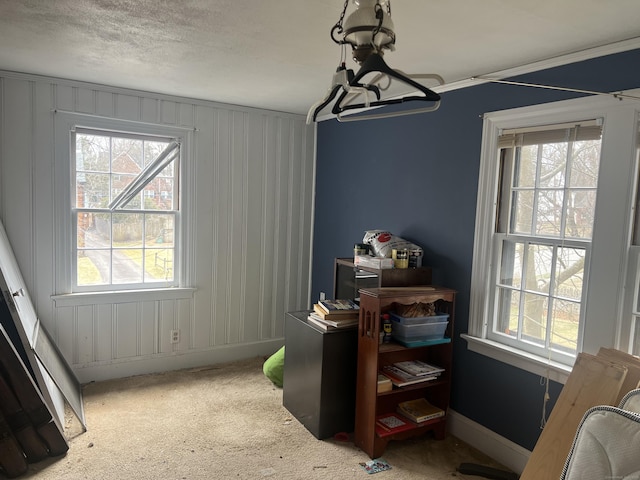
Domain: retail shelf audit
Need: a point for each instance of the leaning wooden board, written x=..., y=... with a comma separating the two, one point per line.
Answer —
x=593, y=381
x=632, y=380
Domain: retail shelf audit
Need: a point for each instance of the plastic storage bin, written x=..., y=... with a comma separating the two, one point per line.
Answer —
x=419, y=320
x=418, y=329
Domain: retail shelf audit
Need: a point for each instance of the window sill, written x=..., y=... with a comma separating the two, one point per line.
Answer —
x=517, y=358
x=123, y=296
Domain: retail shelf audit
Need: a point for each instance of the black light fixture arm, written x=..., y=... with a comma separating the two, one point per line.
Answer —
x=337, y=28
x=380, y=18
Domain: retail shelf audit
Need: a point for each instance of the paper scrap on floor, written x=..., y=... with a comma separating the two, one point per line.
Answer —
x=376, y=465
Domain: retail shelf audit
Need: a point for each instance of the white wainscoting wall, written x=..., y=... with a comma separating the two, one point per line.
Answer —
x=251, y=225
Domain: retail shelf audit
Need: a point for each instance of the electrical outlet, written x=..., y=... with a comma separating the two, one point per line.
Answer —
x=175, y=336
x=323, y=296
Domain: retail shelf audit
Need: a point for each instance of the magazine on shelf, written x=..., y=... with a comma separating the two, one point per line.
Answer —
x=419, y=368
x=400, y=378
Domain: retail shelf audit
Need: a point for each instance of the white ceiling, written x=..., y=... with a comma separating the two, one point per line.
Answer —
x=278, y=54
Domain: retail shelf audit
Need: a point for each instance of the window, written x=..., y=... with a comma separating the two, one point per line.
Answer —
x=546, y=204
x=552, y=251
x=125, y=210
x=634, y=299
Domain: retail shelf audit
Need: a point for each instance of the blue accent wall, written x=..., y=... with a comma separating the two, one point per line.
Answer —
x=417, y=176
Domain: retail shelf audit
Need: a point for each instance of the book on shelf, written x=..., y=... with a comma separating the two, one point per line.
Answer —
x=419, y=410
x=339, y=306
x=384, y=383
x=390, y=423
x=400, y=378
x=331, y=324
x=419, y=368
x=318, y=310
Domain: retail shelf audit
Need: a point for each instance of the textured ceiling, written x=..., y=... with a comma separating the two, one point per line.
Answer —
x=278, y=55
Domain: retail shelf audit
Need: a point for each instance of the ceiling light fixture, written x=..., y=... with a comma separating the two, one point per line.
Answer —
x=370, y=31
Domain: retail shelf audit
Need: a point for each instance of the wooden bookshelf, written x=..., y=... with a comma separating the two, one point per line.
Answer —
x=372, y=356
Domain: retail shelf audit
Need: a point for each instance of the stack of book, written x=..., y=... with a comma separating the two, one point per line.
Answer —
x=411, y=372
x=419, y=410
x=332, y=314
x=390, y=423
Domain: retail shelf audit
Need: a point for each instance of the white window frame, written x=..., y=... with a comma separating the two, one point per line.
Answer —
x=65, y=123
x=605, y=324
x=631, y=314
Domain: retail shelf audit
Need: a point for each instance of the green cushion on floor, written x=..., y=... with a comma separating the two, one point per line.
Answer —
x=274, y=366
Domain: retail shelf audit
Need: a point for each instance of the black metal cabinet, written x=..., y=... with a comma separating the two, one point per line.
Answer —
x=349, y=279
x=320, y=375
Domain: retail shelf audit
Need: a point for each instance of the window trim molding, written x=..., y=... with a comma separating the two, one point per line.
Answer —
x=122, y=296
x=605, y=333
x=535, y=364
x=64, y=123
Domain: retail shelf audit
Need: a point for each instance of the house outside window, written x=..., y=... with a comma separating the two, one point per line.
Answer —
x=552, y=250
x=124, y=230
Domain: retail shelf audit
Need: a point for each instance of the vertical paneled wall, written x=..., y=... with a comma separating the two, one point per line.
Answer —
x=251, y=188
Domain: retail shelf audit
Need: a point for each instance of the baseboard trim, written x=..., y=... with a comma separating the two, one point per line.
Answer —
x=502, y=450
x=164, y=363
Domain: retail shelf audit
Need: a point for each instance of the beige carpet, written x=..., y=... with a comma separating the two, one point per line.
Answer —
x=223, y=422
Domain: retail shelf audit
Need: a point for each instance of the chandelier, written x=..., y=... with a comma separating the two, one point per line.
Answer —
x=369, y=31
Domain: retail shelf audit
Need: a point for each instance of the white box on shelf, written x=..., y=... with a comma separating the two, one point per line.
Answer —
x=373, y=262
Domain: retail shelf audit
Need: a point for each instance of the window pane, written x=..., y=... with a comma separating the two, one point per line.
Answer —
x=549, y=213
x=152, y=150
x=126, y=155
x=159, y=231
x=127, y=266
x=585, y=163
x=93, y=231
x=566, y=320
x=511, y=264
x=538, y=268
x=553, y=165
x=526, y=165
x=92, y=153
x=534, y=318
x=92, y=190
x=119, y=182
x=522, y=214
x=94, y=267
x=158, y=194
x=581, y=206
x=569, y=273
x=159, y=265
x=508, y=311
x=127, y=229
x=635, y=350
